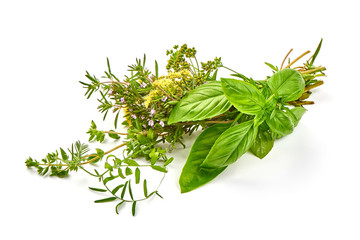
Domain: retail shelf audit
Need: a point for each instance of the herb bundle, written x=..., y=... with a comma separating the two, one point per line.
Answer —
x=237, y=114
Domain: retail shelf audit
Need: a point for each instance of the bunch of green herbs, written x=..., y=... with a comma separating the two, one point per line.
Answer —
x=236, y=114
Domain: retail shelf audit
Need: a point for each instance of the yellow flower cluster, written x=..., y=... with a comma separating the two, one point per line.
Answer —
x=172, y=84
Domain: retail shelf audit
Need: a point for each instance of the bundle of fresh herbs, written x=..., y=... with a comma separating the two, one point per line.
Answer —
x=236, y=114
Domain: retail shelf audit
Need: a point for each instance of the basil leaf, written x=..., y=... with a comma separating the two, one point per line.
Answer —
x=244, y=96
x=192, y=176
x=263, y=143
x=280, y=122
x=205, y=101
x=230, y=145
x=287, y=84
x=298, y=112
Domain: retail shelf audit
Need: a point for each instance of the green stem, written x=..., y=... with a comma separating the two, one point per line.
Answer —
x=236, y=119
x=230, y=69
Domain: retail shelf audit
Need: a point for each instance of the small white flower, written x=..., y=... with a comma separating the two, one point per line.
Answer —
x=151, y=123
x=162, y=123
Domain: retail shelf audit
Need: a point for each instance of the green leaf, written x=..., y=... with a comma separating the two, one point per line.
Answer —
x=97, y=189
x=116, y=119
x=156, y=70
x=118, y=205
x=205, y=101
x=113, y=135
x=168, y=161
x=298, y=112
x=157, y=193
x=137, y=175
x=159, y=168
x=130, y=162
x=145, y=188
x=263, y=143
x=287, y=84
x=108, y=179
x=133, y=208
x=110, y=199
x=192, y=176
x=280, y=122
x=128, y=171
x=121, y=173
x=116, y=189
x=124, y=189
x=244, y=96
x=316, y=53
x=272, y=66
x=100, y=153
x=130, y=191
x=63, y=154
x=230, y=145
x=109, y=167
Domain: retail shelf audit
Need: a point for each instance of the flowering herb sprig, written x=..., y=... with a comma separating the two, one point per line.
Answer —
x=237, y=115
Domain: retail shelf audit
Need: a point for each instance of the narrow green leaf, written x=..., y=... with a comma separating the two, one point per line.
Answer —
x=287, y=84
x=109, y=167
x=205, y=101
x=152, y=193
x=114, y=135
x=272, y=66
x=108, y=65
x=108, y=179
x=244, y=96
x=192, y=176
x=130, y=162
x=133, y=208
x=230, y=145
x=130, y=191
x=159, y=195
x=124, y=189
x=63, y=154
x=97, y=189
x=110, y=199
x=156, y=70
x=116, y=119
x=145, y=188
x=316, y=52
x=116, y=189
x=137, y=175
x=168, y=161
x=159, y=168
x=118, y=205
x=121, y=173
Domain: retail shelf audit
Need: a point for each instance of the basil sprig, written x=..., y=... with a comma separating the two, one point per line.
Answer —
x=263, y=116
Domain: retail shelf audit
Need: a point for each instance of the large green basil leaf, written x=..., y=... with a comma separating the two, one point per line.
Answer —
x=231, y=144
x=281, y=122
x=205, y=101
x=244, y=96
x=192, y=176
x=287, y=84
x=263, y=143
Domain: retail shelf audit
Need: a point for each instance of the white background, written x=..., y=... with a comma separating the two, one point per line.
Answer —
x=306, y=188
